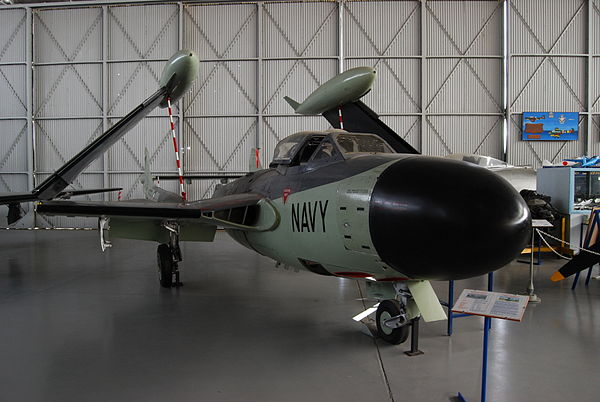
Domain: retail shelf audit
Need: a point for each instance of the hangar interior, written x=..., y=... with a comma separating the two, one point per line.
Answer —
x=452, y=77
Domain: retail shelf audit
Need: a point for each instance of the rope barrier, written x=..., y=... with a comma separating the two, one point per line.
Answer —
x=576, y=248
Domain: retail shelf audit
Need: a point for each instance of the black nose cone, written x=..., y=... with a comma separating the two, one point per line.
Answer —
x=433, y=218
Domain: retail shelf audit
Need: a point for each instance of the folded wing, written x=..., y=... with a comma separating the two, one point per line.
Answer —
x=359, y=118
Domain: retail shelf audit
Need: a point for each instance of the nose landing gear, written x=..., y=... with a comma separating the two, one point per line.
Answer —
x=392, y=322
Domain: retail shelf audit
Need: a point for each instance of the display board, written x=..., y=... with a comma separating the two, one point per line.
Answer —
x=491, y=304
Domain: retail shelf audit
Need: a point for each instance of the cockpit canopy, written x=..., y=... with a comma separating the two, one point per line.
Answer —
x=320, y=146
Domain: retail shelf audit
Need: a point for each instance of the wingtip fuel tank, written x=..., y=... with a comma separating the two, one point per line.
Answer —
x=344, y=88
x=178, y=75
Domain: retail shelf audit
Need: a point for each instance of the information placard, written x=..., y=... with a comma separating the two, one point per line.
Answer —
x=506, y=306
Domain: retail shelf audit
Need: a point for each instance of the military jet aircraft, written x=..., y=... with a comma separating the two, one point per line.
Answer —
x=360, y=205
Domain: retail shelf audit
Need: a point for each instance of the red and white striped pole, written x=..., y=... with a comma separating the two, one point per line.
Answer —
x=176, y=149
x=341, y=120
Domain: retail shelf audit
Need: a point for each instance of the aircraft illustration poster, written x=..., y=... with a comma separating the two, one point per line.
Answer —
x=553, y=126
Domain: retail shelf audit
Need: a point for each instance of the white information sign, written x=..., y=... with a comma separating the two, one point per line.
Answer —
x=491, y=304
x=540, y=223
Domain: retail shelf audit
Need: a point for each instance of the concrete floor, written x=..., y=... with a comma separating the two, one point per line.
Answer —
x=79, y=325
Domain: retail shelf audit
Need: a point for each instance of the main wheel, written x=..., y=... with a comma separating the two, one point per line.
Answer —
x=165, y=265
x=386, y=310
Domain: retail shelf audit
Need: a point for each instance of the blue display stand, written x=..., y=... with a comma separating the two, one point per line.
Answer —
x=450, y=303
x=489, y=304
x=487, y=325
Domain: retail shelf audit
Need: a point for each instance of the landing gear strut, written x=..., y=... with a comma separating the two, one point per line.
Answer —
x=168, y=256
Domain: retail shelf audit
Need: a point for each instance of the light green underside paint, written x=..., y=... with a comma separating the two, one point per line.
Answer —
x=152, y=230
x=328, y=248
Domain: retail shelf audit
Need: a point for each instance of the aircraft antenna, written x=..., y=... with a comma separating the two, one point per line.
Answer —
x=176, y=149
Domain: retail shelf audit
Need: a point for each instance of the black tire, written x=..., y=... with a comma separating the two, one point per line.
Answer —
x=386, y=310
x=165, y=265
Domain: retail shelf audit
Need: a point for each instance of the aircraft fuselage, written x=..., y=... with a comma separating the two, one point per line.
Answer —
x=388, y=217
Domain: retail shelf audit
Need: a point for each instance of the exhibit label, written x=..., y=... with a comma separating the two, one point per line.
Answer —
x=506, y=306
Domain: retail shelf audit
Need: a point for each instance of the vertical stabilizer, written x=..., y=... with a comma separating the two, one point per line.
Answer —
x=147, y=177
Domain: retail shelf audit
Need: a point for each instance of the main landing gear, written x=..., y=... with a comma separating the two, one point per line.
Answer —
x=168, y=256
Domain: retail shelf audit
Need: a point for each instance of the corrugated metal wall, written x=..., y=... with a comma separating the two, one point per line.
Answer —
x=396, y=55
x=549, y=59
x=440, y=83
x=220, y=124
x=13, y=106
x=463, y=94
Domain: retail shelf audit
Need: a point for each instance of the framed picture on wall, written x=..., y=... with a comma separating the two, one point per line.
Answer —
x=550, y=126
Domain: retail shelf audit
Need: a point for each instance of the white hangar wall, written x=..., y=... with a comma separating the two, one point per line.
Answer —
x=553, y=67
x=67, y=73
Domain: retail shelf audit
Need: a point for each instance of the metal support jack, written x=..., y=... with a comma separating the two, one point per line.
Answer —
x=414, y=338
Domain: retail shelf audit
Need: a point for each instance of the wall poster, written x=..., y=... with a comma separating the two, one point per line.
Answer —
x=550, y=126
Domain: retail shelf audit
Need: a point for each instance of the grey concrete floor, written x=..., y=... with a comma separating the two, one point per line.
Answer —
x=80, y=325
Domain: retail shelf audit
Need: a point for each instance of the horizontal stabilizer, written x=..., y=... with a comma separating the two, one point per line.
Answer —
x=291, y=102
x=72, y=193
x=189, y=177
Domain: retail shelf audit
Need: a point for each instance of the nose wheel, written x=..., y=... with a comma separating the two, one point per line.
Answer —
x=392, y=322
